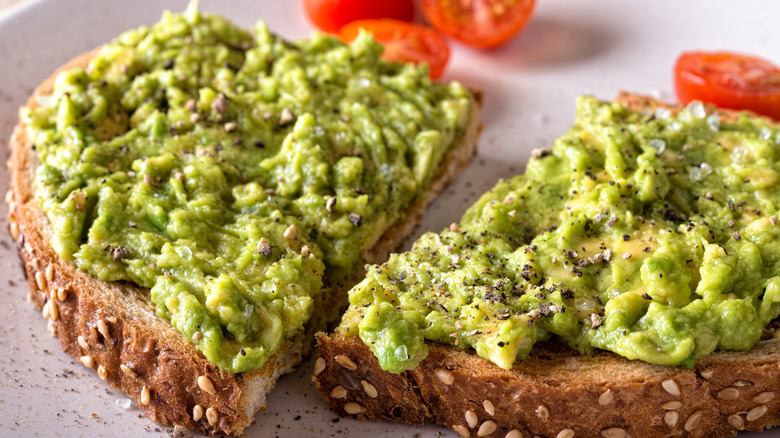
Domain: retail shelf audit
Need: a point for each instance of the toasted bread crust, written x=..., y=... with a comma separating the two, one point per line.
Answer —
x=113, y=329
x=558, y=393
x=557, y=390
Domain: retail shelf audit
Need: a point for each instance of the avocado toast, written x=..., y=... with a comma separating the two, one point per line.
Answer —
x=632, y=234
x=192, y=200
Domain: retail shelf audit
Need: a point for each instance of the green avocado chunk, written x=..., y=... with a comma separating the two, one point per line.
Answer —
x=235, y=174
x=654, y=236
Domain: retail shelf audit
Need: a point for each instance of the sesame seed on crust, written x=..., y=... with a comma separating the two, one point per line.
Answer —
x=565, y=433
x=671, y=418
x=197, y=412
x=211, y=416
x=103, y=329
x=40, y=280
x=462, y=430
x=346, y=362
x=87, y=361
x=45, y=310
x=445, y=376
x=736, y=421
x=489, y=408
x=693, y=421
x=52, y=329
x=471, y=419
x=606, y=397
x=353, y=408
x=319, y=366
x=146, y=396
x=14, y=228
x=728, y=394
x=338, y=392
x=369, y=389
x=487, y=428
x=756, y=413
x=671, y=387
x=543, y=412
x=613, y=432
x=671, y=405
x=128, y=371
x=54, y=312
x=206, y=385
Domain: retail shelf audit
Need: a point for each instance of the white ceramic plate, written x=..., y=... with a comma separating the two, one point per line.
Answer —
x=571, y=47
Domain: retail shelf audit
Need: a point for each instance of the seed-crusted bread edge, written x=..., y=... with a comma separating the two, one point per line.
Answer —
x=112, y=327
x=558, y=393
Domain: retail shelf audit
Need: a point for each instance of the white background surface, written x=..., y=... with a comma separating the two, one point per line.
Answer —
x=570, y=48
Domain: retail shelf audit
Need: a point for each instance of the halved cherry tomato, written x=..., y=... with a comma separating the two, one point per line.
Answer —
x=404, y=42
x=332, y=15
x=729, y=80
x=479, y=23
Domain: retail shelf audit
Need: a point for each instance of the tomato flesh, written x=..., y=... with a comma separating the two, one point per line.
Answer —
x=479, y=23
x=404, y=42
x=331, y=15
x=729, y=80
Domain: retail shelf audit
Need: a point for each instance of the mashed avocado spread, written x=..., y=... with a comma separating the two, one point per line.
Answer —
x=227, y=171
x=652, y=236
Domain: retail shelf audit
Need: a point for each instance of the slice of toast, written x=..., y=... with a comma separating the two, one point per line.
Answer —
x=112, y=328
x=557, y=392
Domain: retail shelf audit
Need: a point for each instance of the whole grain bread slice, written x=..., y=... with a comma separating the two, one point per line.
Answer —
x=112, y=328
x=558, y=393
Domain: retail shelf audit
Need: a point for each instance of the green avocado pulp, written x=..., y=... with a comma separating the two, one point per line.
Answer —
x=227, y=171
x=653, y=236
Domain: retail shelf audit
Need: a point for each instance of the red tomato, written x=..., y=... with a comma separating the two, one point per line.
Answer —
x=332, y=15
x=479, y=23
x=404, y=42
x=729, y=80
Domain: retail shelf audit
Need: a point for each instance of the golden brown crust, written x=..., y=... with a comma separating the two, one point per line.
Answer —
x=602, y=395
x=558, y=393
x=647, y=104
x=112, y=327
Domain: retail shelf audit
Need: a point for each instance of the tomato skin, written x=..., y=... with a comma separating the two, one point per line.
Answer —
x=729, y=80
x=404, y=42
x=331, y=15
x=479, y=23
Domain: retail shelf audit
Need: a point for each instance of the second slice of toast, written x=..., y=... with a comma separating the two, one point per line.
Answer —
x=557, y=392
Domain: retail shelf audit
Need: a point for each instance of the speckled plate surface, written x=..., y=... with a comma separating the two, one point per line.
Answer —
x=570, y=48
